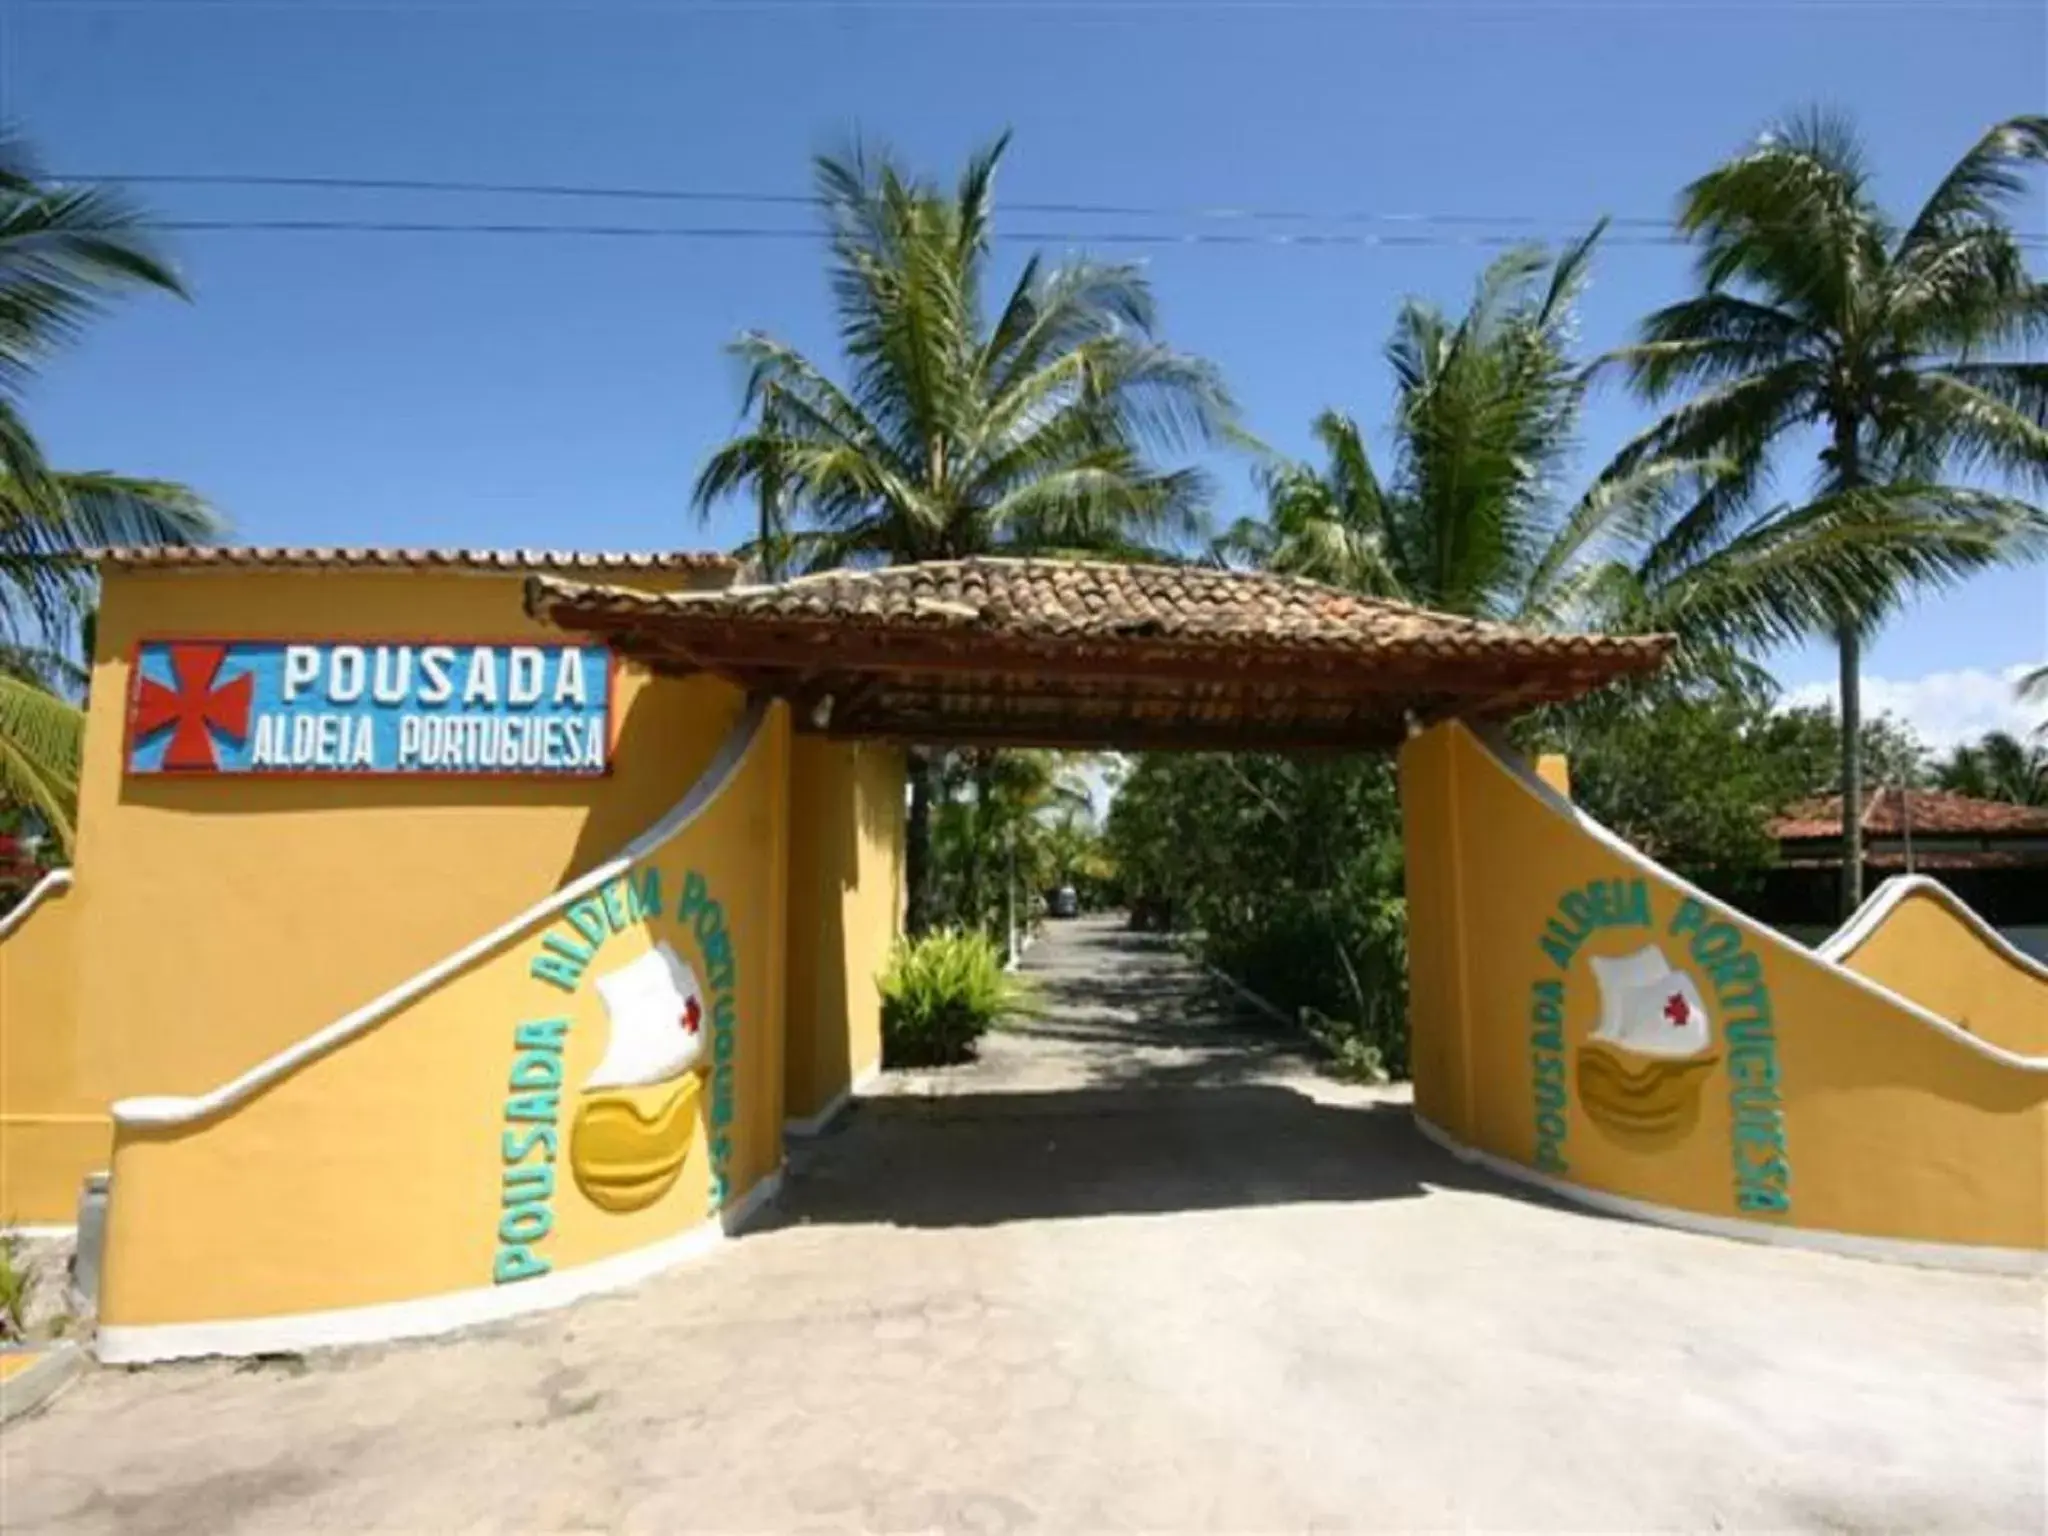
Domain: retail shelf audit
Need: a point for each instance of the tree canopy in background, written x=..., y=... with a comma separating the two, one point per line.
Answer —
x=1997, y=766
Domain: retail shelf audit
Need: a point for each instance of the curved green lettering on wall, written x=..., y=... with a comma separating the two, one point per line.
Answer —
x=531, y=1139
x=1636, y=1086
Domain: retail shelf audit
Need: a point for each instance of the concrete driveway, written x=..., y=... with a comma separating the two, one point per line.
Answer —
x=1139, y=1269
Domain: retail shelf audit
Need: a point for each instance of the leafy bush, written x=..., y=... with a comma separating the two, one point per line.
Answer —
x=940, y=994
x=1349, y=1055
x=14, y=1285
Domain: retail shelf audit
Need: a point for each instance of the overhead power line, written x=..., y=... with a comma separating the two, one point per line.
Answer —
x=968, y=8
x=749, y=198
x=763, y=232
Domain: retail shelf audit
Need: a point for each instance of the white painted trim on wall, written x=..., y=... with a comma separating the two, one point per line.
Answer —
x=1878, y=905
x=723, y=767
x=812, y=1125
x=52, y=882
x=1523, y=775
x=428, y=1315
x=45, y=1232
x=1887, y=1250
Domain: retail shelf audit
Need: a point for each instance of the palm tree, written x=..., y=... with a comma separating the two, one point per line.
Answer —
x=954, y=434
x=1997, y=766
x=1486, y=408
x=1471, y=518
x=64, y=253
x=1000, y=830
x=1817, y=314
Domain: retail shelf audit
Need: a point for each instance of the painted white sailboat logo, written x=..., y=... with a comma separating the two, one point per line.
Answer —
x=657, y=1021
x=1642, y=1069
x=1650, y=1008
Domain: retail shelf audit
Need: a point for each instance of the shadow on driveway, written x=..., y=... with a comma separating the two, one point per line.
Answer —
x=1137, y=1087
x=980, y=1159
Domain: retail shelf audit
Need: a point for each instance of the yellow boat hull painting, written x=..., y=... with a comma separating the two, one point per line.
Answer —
x=1645, y=1100
x=628, y=1145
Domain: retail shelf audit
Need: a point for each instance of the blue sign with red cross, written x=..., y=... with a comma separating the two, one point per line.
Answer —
x=369, y=707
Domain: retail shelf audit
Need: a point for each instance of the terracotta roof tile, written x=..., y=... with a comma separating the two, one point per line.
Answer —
x=278, y=557
x=1079, y=653
x=1086, y=600
x=1933, y=813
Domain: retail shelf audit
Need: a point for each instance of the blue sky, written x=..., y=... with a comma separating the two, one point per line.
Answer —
x=447, y=389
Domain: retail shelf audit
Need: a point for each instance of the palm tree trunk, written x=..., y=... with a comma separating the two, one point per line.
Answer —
x=917, y=844
x=979, y=841
x=1848, y=467
x=1851, y=647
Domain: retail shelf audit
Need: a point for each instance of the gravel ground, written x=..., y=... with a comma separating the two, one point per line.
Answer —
x=1138, y=1269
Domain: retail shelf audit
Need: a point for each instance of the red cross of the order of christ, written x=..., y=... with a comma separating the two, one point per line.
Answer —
x=195, y=707
x=1677, y=1010
x=693, y=1015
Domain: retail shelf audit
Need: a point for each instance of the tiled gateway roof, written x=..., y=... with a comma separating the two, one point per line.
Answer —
x=277, y=557
x=1932, y=813
x=1087, y=653
x=1030, y=600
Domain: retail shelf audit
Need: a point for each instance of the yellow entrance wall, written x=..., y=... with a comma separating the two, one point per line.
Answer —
x=845, y=885
x=377, y=1173
x=53, y=1125
x=1923, y=943
x=231, y=916
x=1857, y=1113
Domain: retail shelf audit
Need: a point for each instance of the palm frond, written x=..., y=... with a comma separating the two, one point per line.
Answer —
x=41, y=746
x=64, y=253
x=1934, y=418
x=48, y=526
x=1792, y=217
x=1979, y=186
x=1845, y=558
x=1618, y=513
x=1714, y=338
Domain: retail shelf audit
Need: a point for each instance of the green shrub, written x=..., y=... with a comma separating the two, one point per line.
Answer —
x=14, y=1285
x=940, y=994
x=1347, y=1053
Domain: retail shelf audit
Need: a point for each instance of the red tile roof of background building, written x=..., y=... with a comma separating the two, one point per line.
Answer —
x=1929, y=813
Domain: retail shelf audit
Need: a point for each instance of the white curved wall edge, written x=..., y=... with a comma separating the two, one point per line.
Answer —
x=49, y=1231
x=1524, y=775
x=812, y=1125
x=1887, y=1250
x=1878, y=905
x=54, y=881
x=428, y=1315
x=724, y=764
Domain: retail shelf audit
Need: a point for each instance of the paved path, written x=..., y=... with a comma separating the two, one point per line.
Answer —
x=1138, y=1269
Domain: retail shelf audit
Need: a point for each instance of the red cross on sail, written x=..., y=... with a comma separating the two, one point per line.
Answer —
x=657, y=1012
x=196, y=707
x=1650, y=1007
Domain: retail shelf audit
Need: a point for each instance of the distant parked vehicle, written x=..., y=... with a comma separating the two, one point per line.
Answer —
x=1065, y=902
